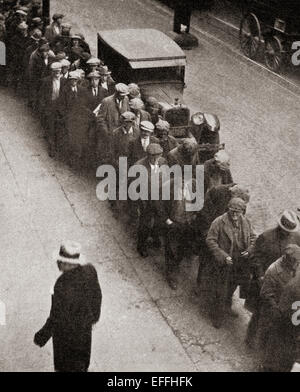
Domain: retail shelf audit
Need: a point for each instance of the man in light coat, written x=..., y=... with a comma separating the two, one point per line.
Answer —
x=230, y=241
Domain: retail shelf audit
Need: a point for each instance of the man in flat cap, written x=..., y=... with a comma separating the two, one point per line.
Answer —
x=54, y=29
x=217, y=171
x=138, y=147
x=167, y=141
x=71, y=107
x=147, y=208
x=49, y=106
x=110, y=113
x=38, y=69
x=18, y=46
x=277, y=276
x=185, y=154
x=268, y=248
x=93, y=96
x=75, y=309
x=122, y=137
x=215, y=204
x=65, y=68
x=230, y=241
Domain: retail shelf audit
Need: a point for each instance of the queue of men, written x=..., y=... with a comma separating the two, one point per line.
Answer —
x=85, y=113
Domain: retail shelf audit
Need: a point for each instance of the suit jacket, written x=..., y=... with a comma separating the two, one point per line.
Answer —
x=213, y=176
x=136, y=151
x=220, y=237
x=269, y=247
x=45, y=95
x=109, y=116
x=50, y=32
x=90, y=102
x=121, y=142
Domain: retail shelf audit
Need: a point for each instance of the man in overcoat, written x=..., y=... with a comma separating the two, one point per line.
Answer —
x=147, y=208
x=277, y=276
x=109, y=116
x=268, y=248
x=76, y=307
x=217, y=171
x=230, y=241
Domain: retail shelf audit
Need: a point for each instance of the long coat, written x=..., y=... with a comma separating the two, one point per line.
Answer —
x=110, y=112
x=272, y=333
x=270, y=246
x=214, y=176
x=219, y=241
x=136, y=151
x=76, y=306
x=121, y=142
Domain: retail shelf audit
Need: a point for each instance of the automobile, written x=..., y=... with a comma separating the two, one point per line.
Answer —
x=157, y=64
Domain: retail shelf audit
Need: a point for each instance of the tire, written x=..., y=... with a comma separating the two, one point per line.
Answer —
x=274, y=55
x=250, y=36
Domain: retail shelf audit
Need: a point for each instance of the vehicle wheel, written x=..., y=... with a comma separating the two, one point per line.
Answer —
x=273, y=53
x=250, y=36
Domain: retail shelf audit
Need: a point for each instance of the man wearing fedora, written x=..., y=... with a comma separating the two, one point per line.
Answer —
x=106, y=81
x=268, y=248
x=273, y=335
x=76, y=306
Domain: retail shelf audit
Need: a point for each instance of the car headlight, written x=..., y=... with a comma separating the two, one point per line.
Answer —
x=198, y=118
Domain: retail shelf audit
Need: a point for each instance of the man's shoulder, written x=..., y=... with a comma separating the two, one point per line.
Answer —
x=142, y=162
x=275, y=268
x=209, y=163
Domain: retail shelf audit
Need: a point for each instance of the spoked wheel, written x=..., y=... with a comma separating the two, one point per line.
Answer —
x=250, y=36
x=273, y=53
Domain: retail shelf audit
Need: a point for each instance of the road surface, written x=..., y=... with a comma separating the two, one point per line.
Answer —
x=144, y=325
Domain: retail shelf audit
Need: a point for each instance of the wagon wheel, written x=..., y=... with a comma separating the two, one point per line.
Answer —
x=250, y=35
x=273, y=53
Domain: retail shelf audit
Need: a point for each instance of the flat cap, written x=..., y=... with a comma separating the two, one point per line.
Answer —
x=237, y=204
x=162, y=125
x=103, y=70
x=241, y=192
x=75, y=36
x=147, y=126
x=36, y=34
x=292, y=250
x=22, y=26
x=128, y=116
x=65, y=63
x=134, y=90
x=21, y=12
x=44, y=48
x=136, y=103
x=94, y=74
x=154, y=149
x=66, y=26
x=222, y=157
x=93, y=61
x=55, y=66
x=37, y=21
x=74, y=75
x=58, y=16
x=122, y=89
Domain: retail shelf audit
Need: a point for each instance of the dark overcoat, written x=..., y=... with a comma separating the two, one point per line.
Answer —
x=76, y=305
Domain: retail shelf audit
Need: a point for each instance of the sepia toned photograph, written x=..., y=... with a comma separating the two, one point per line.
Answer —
x=150, y=196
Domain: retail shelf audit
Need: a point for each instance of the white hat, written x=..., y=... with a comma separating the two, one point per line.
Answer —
x=69, y=252
x=74, y=75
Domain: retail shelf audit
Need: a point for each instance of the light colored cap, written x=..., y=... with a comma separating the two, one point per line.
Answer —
x=122, y=89
x=55, y=66
x=93, y=61
x=128, y=116
x=74, y=75
x=147, y=126
x=65, y=63
x=162, y=125
x=94, y=74
x=136, y=103
x=22, y=26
